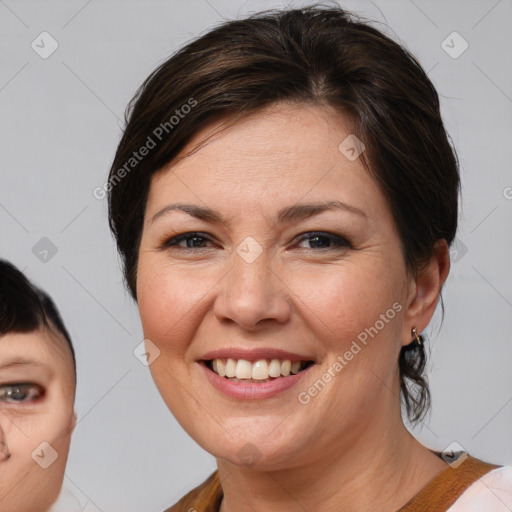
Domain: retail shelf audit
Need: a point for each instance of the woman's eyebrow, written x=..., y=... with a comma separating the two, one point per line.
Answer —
x=285, y=215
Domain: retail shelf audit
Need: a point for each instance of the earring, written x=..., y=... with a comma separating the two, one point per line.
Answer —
x=417, y=339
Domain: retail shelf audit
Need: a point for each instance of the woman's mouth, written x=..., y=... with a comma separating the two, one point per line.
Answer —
x=262, y=370
x=252, y=380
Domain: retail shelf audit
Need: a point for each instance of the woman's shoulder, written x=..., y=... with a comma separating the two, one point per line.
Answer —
x=445, y=490
x=491, y=492
x=468, y=484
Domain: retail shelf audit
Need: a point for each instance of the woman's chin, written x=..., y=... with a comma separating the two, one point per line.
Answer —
x=251, y=458
x=256, y=454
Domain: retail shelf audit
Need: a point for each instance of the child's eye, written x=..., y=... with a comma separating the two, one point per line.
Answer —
x=19, y=393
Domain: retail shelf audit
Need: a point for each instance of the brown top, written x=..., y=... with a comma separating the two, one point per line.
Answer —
x=438, y=495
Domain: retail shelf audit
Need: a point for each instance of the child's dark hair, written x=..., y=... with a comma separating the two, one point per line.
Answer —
x=25, y=308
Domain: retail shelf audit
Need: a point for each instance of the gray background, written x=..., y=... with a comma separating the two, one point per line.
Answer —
x=61, y=121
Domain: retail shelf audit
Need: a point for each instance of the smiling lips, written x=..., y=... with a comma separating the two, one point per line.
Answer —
x=259, y=370
x=254, y=374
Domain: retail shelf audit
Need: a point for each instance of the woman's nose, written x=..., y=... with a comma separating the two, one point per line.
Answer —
x=252, y=294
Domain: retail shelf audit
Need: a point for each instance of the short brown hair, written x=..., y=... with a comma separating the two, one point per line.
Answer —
x=318, y=55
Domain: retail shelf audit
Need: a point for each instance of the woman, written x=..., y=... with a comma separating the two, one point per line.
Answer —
x=37, y=395
x=283, y=199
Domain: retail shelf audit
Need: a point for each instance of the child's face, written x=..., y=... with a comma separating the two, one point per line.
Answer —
x=37, y=391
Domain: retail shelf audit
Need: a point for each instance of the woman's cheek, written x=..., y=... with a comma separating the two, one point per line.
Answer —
x=159, y=308
x=343, y=300
x=168, y=300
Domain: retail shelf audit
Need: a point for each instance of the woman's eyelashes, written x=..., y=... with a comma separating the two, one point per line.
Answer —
x=316, y=240
x=20, y=393
x=319, y=238
x=193, y=240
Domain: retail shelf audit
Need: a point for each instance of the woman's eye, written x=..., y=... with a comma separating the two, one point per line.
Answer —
x=315, y=240
x=18, y=393
x=324, y=241
x=191, y=241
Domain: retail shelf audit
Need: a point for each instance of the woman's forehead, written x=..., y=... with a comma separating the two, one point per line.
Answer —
x=283, y=156
x=287, y=132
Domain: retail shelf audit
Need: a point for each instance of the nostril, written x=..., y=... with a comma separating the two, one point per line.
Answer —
x=4, y=450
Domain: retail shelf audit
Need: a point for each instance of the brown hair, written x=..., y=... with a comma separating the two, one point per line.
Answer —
x=317, y=55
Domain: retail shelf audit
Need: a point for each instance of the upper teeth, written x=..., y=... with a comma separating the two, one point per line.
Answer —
x=257, y=370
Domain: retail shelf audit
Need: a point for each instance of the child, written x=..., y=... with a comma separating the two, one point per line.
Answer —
x=37, y=393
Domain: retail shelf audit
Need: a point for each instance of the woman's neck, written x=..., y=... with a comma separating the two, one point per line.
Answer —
x=383, y=469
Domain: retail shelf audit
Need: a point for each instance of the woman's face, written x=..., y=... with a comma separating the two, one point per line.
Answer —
x=277, y=282
x=37, y=388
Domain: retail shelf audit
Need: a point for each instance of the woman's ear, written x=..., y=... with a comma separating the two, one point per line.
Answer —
x=424, y=291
